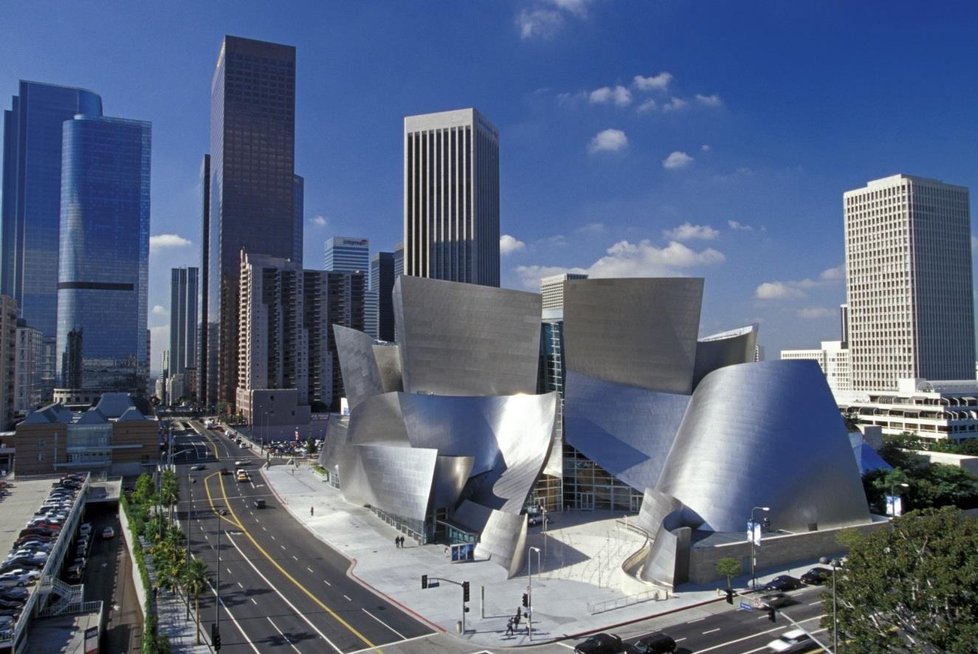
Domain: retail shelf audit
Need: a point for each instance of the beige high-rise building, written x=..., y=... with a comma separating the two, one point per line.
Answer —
x=908, y=282
x=451, y=197
x=8, y=358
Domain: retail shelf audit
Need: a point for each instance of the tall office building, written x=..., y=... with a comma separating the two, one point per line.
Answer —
x=183, y=319
x=282, y=332
x=253, y=188
x=451, y=197
x=382, y=284
x=347, y=254
x=908, y=282
x=206, y=386
x=104, y=255
x=346, y=296
x=8, y=359
x=28, y=391
x=31, y=210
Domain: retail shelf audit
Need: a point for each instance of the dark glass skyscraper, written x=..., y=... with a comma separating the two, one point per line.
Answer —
x=382, y=283
x=183, y=319
x=32, y=137
x=104, y=254
x=253, y=187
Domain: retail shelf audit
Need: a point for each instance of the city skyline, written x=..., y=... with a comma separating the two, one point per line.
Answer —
x=634, y=139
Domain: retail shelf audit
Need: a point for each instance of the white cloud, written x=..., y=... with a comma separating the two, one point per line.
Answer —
x=739, y=226
x=654, y=83
x=539, y=23
x=509, y=244
x=618, y=95
x=167, y=241
x=159, y=310
x=591, y=228
x=648, y=105
x=319, y=221
x=705, y=148
x=547, y=17
x=676, y=160
x=609, y=140
x=833, y=274
x=674, y=104
x=814, y=313
x=709, y=100
x=643, y=259
x=687, y=232
x=777, y=291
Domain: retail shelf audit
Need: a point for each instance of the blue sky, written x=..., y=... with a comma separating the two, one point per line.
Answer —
x=664, y=137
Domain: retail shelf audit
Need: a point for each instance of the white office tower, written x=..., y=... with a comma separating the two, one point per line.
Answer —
x=451, y=197
x=347, y=254
x=552, y=290
x=908, y=282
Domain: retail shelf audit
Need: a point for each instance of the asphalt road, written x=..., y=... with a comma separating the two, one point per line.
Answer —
x=281, y=590
x=284, y=590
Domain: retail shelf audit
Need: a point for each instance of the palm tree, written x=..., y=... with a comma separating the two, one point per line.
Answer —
x=195, y=581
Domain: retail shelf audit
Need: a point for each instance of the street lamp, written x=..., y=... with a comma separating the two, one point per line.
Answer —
x=753, y=538
x=529, y=608
x=835, y=613
x=892, y=502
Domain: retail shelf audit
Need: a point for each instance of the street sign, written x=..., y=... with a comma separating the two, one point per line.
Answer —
x=745, y=606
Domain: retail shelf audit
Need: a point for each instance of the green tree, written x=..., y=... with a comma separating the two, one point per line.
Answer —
x=144, y=492
x=195, y=583
x=729, y=567
x=911, y=587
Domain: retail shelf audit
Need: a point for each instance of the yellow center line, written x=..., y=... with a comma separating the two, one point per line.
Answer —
x=237, y=523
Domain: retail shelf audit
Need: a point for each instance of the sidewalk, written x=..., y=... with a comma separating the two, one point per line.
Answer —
x=579, y=562
x=171, y=610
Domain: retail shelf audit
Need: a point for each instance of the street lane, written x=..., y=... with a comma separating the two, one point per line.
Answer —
x=288, y=592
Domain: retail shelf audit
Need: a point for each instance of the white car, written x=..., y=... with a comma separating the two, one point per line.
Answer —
x=795, y=640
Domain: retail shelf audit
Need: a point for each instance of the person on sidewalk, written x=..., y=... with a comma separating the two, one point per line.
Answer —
x=509, y=627
x=312, y=510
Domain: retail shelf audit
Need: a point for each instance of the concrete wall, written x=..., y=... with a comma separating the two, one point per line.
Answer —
x=966, y=463
x=137, y=580
x=775, y=551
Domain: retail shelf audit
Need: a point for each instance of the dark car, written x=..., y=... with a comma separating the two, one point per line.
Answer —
x=816, y=576
x=657, y=643
x=600, y=644
x=259, y=503
x=772, y=600
x=783, y=583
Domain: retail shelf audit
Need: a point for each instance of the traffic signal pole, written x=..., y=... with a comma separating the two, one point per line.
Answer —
x=426, y=582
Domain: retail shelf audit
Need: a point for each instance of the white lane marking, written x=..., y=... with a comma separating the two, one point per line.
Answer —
x=264, y=529
x=295, y=558
x=253, y=601
x=679, y=640
x=284, y=599
x=814, y=603
x=229, y=571
x=308, y=568
x=287, y=639
x=696, y=620
x=234, y=620
x=347, y=598
x=273, y=537
x=711, y=631
x=282, y=546
x=760, y=633
x=327, y=583
x=399, y=634
x=239, y=584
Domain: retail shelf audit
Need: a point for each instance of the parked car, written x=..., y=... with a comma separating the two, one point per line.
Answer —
x=108, y=533
x=85, y=529
x=783, y=583
x=600, y=644
x=259, y=503
x=14, y=593
x=816, y=576
x=795, y=640
x=657, y=643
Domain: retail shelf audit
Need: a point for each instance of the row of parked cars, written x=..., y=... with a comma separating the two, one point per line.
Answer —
x=33, y=546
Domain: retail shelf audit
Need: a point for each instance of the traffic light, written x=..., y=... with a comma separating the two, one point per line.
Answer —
x=215, y=636
x=526, y=600
x=730, y=596
x=465, y=591
x=772, y=615
x=424, y=581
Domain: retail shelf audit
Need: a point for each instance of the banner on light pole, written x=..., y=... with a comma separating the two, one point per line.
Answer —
x=754, y=533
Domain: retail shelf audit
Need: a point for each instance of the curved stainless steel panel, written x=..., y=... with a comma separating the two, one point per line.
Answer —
x=628, y=431
x=765, y=434
x=725, y=349
x=634, y=332
x=378, y=420
x=388, y=358
x=451, y=474
x=361, y=376
x=504, y=541
x=466, y=339
x=398, y=479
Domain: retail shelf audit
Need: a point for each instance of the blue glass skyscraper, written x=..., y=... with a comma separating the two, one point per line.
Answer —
x=104, y=254
x=31, y=210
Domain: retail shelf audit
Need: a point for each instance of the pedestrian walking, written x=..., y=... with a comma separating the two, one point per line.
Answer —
x=397, y=541
x=509, y=627
x=312, y=510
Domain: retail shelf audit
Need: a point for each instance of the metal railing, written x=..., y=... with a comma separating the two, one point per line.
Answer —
x=656, y=594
